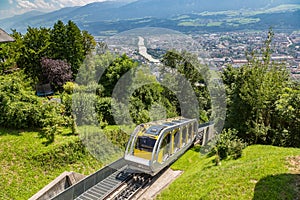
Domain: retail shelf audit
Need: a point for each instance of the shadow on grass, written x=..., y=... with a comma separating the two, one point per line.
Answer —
x=47, y=143
x=196, y=148
x=7, y=131
x=281, y=186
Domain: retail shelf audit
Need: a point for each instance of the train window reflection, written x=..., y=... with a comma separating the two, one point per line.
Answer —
x=165, y=147
x=145, y=143
x=176, y=141
x=184, y=137
x=190, y=132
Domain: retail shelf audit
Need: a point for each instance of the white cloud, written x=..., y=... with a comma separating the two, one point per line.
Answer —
x=41, y=4
x=50, y=4
x=76, y=2
x=22, y=6
x=26, y=4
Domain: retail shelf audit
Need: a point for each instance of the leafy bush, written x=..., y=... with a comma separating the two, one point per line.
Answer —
x=21, y=108
x=65, y=154
x=263, y=102
x=228, y=146
x=19, y=105
x=51, y=120
x=83, y=107
x=103, y=109
x=57, y=72
x=21, y=115
x=117, y=137
x=69, y=87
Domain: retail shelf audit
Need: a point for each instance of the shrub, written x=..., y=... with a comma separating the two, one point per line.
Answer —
x=51, y=120
x=104, y=110
x=57, y=72
x=117, y=136
x=228, y=146
x=83, y=106
x=64, y=154
x=20, y=107
x=69, y=87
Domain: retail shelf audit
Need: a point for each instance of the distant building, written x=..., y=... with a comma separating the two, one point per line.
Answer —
x=4, y=37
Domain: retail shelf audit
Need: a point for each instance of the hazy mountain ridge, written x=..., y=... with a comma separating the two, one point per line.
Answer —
x=117, y=16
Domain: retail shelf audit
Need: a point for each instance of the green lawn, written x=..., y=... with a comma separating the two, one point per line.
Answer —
x=261, y=173
x=27, y=165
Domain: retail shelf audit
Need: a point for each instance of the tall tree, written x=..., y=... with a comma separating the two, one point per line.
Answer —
x=114, y=72
x=58, y=38
x=88, y=41
x=252, y=91
x=36, y=44
x=194, y=73
x=75, y=52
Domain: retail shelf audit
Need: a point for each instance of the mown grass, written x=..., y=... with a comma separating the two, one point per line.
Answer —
x=27, y=164
x=261, y=173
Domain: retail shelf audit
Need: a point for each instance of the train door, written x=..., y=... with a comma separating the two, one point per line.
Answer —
x=165, y=148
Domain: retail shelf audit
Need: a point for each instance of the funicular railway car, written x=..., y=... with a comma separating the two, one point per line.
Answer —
x=155, y=145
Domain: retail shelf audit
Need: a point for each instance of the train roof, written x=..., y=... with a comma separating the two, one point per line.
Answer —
x=170, y=120
x=154, y=130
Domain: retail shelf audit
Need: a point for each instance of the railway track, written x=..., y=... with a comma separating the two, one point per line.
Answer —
x=104, y=188
x=133, y=186
x=118, y=186
x=113, y=182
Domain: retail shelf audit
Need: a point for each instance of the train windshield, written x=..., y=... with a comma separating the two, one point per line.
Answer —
x=145, y=143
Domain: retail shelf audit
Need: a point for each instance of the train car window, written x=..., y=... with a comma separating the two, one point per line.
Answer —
x=190, y=132
x=145, y=143
x=195, y=127
x=165, y=146
x=176, y=140
x=184, y=136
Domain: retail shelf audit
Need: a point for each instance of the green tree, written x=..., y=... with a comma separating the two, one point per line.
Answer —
x=252, y=91
x=114, y=72
x=288, y=123
x=89, y=42
x=35, y=46
x=74, y=44
x=58, y=38
x=146, y=91
x=9, y=52
x=195, y=74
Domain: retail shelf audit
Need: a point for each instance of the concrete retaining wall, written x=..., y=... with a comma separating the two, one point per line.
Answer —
x=62, y=182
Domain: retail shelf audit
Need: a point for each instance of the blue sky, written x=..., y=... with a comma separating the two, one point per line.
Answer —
x=8, y=8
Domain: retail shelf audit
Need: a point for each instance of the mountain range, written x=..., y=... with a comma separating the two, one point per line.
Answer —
x=110, y=17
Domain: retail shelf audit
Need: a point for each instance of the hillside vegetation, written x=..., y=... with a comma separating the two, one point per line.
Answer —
x=262, y=173
x=27, y=165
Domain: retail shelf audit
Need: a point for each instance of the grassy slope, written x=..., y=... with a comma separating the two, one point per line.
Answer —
x=21, y=176
x=261, y=173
